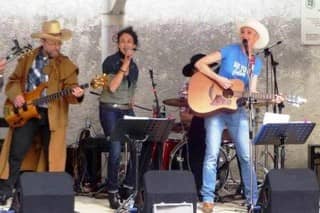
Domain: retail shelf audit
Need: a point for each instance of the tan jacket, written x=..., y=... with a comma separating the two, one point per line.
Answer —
x=62, y=74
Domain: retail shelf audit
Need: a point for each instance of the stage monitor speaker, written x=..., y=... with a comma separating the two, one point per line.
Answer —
x=49, y=192
x=169, y=187
x=290, y=190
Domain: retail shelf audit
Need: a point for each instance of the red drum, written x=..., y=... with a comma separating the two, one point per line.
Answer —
x=167, y=148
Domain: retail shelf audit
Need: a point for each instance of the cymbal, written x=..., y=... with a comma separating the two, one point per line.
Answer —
x=177, y=102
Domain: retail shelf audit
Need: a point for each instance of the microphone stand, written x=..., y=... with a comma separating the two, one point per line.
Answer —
x=275, y=90
x=251, y=116
x=156, y=108
x=156, y=114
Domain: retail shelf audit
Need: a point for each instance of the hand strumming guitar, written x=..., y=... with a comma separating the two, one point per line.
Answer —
x=19, y=101
x=225, y=83
x=78, y=92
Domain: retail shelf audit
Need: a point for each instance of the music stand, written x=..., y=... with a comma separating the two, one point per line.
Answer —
x=283, y=133
x=136, y=131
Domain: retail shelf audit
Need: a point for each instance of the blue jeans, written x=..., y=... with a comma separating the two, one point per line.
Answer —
x=238, y=127
x=108, y=120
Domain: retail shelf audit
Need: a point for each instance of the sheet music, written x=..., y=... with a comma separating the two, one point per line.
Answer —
x=128, y=117
x=275, y=118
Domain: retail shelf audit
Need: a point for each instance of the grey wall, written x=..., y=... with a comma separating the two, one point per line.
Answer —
x=170, y=32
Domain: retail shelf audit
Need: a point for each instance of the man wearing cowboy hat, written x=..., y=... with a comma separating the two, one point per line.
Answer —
x=237, y=61
x=44, y=64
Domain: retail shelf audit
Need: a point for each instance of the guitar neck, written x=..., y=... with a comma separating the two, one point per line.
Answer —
x=257, y=96
x=57, y=95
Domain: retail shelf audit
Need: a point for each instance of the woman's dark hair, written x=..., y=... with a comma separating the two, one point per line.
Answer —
x=129, y=30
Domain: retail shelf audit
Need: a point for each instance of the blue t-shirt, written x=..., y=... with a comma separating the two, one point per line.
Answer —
x=234, y=63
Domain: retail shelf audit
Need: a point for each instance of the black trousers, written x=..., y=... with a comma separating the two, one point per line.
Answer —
x=22, y=140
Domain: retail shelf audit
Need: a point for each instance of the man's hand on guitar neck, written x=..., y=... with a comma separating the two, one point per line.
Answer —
x=278, y=99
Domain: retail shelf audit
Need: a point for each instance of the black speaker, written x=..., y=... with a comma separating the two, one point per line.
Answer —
x=49, y=192
x=168, y=187
x=290, y=190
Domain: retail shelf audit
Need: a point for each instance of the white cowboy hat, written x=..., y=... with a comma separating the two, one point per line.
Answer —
x=262, y=31
x=52, y=30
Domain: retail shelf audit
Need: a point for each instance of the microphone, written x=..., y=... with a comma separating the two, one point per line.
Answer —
x=245, y=45
x=151, y=73
x=266, y=50
x=134, y=49
x=278, y=42
x=95, y=93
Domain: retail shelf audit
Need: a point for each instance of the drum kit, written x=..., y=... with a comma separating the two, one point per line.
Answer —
x=174, y=155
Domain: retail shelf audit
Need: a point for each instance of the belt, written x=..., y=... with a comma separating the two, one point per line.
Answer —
x=116, y=106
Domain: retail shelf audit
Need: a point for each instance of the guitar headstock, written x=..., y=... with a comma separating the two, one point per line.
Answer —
x=99, y=81
x=296, y=100
x=17, y=51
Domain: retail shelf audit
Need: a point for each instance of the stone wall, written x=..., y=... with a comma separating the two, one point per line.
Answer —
x=169, y=33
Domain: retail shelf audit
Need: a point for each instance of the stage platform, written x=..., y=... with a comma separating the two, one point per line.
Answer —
x=85, y=204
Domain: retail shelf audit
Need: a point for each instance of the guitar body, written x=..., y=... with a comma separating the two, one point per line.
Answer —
x=17, y=117
x=205, y=96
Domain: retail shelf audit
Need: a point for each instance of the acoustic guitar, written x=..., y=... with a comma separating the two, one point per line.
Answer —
x=205, y=96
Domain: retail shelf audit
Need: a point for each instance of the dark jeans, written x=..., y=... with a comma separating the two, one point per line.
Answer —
x=22, y=140
x=197, y=147
x=108, y=119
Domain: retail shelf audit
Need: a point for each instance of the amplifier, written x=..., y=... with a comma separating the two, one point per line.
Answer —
x=314, y=159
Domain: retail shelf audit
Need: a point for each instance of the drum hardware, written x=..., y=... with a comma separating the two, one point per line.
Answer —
x=179, y=127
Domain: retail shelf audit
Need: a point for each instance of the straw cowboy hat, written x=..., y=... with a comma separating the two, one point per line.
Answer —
x=262, y=31
x=52, y=30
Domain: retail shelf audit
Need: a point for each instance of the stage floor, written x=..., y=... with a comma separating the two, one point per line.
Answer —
x=85, y=204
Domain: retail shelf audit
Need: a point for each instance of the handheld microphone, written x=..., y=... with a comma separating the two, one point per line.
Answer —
x=245, y=45
x=134, y=49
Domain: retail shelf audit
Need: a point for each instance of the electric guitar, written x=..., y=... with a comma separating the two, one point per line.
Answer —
x=17, y=117
x=205, y=96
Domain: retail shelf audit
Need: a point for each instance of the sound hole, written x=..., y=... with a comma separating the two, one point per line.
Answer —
x=228, y=93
